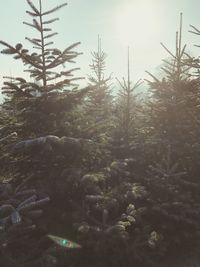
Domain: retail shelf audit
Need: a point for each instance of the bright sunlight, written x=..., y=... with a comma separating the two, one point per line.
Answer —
x=136, y=22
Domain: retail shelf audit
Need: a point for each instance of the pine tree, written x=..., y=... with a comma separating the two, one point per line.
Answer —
x=174, y=106
x=42, y=153
x=98, y=104
x=41, y=105
x=172, y=180
x=127, y=106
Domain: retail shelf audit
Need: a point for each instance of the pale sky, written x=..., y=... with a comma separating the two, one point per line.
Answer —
x=141, y=24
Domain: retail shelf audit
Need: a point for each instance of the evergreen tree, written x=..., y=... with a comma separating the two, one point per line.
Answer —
x=126, y=117
x=42, y=153
x=142, y=209
x=98, y=105
x=41, y=105
x=174, y=106
x=172, y=175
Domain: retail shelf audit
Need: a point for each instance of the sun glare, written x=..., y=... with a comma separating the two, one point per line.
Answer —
x=136, y=22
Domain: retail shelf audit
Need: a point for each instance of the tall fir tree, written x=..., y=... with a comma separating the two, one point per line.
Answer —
x=98, y=105
x=126, y=117
x=43, y=156
x=41, y=105
x=174, y=106
x=172, y=175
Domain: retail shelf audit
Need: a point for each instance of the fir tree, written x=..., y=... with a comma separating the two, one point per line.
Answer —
x=98, y=104
x=43, y=103
x=174, y=106
x=127, y=106
x=39, y=154
x=172, y=179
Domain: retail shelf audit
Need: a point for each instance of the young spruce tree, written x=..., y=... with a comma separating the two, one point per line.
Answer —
x=98, y=105
x=41, y=105
x=172, y=179
x=174, y=106
x=126, y=119
x=44, y=155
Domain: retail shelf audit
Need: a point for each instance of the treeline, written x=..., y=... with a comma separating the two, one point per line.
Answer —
x=119, y=176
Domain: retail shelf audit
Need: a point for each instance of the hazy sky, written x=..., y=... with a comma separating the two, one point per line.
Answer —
x=141, y=24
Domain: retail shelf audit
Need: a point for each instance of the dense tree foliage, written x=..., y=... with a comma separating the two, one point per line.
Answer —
x=119, y=177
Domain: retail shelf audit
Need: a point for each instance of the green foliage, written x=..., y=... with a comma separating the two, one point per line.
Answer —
x=98, y=104
x=123, y=177
x=41, y=64
x=20, y=208
x=174, y=106
x=45, y=101
x=126, y=117
x=172, y=179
